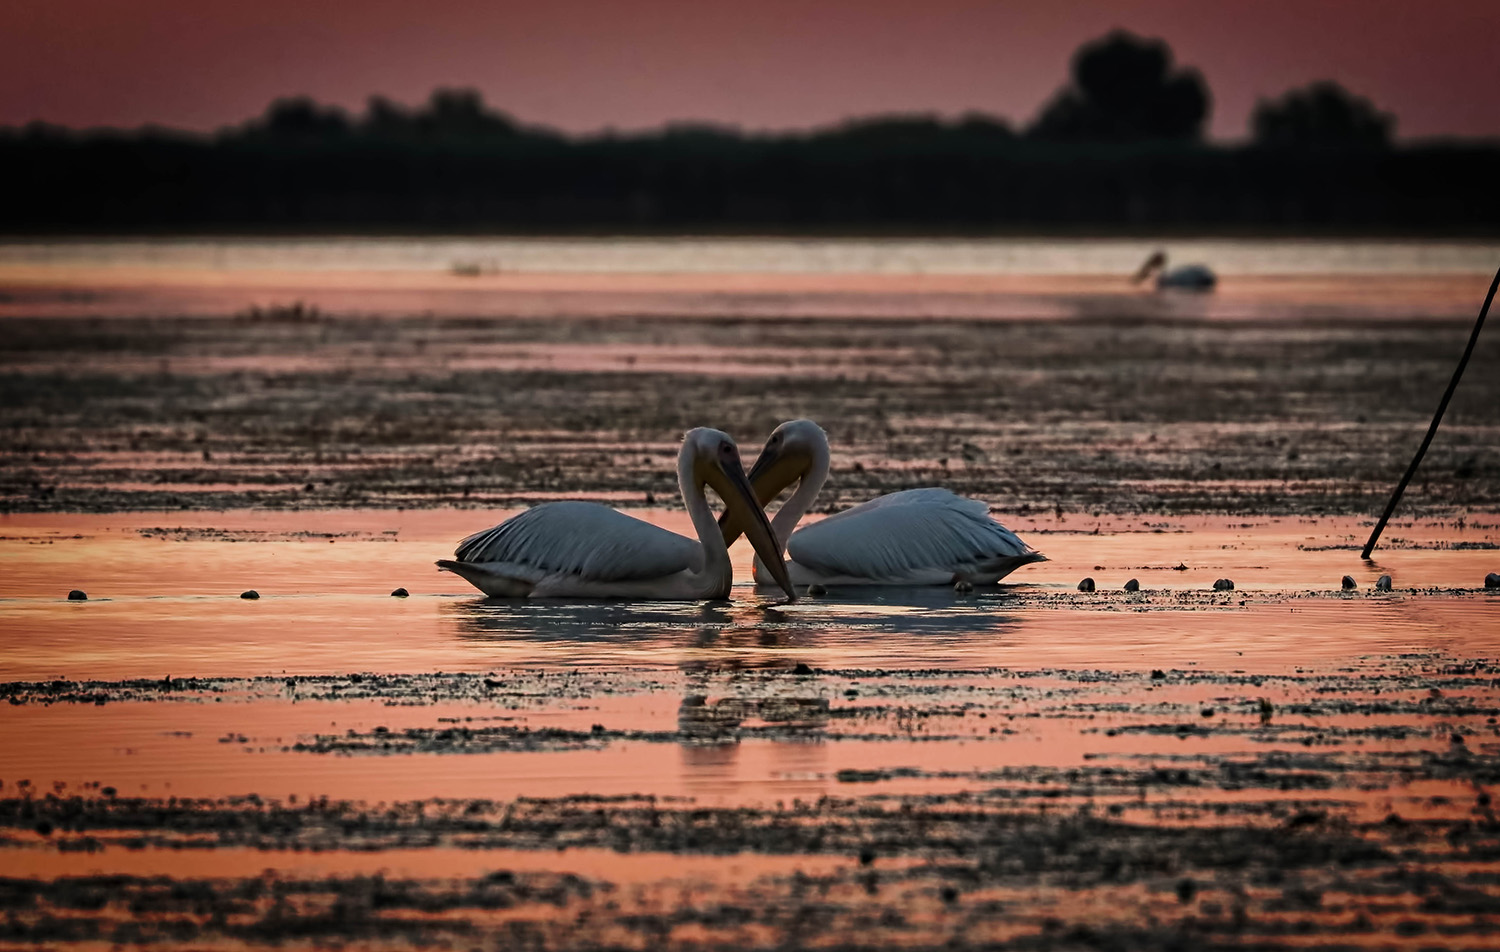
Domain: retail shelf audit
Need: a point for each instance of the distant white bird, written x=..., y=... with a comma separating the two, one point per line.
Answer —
x=1188, y=277
x=585, y=550
x=914, y=537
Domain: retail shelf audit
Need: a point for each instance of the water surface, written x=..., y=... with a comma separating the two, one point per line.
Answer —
x=759, y=277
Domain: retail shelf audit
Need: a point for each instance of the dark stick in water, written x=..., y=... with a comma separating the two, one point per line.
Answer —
x=1436, y=419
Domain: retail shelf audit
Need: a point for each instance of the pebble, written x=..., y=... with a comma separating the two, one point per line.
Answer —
x=252, y=593
x=1348, y=583
x=1224, y=585
x=1134, y=585
x=963, y=586
x=400, y=593
x=1492, y=580
x=1383, y=584
x=815, y=590
x=1087, y=585
x=78, y=595
x=802, y=668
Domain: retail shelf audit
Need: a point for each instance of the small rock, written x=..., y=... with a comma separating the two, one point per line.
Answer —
x=1492, y=580
x=400, y=593
x=814, y=590
x=77, y=595
x=1134, y=585
x=1348, y=583
x=650, y=498
x=801, y=668
x=963, y=586
x=1383, y=584
x=251, y=593
x=1157, y=674
x=1224, y=585
x=1087, y=585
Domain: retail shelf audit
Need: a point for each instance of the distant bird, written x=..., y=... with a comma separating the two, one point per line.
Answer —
x=1188, y=277
x=585, y=550
x=914, y=537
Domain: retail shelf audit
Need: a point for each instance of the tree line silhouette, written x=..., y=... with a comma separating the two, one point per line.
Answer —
x=1121, y=146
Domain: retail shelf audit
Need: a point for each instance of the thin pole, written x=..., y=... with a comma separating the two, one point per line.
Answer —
x=1436, y=419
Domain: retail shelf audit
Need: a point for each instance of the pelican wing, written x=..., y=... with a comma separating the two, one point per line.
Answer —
x=1188, y=276
x=898, y=535
x=584, y=539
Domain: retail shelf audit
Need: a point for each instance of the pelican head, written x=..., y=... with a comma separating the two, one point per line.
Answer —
x=1157, y=261
x=792, y=449
x=796, y=452
x=715, y=461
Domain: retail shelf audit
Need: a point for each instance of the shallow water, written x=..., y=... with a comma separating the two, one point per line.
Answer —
x=185, y=765
x=164, y=603
x=1006, y=278
x=331, y=766
x=160, y=582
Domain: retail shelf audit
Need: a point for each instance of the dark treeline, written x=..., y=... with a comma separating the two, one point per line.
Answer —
x=1120, y=147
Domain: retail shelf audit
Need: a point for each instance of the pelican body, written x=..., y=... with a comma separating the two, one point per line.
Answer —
x=585, y=550
x=914, y=537
x=1187, y=277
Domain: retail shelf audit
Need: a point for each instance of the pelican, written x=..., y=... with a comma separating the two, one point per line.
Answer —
x=914, y=537
x=585, y=550
x=1188, y=277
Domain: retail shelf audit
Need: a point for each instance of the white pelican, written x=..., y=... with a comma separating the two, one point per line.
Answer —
x=585, y=550
x=1188, y=277
x=913, y=537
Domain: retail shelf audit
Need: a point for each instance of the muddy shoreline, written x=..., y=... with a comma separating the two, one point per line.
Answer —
x=1033, y=767
x=1308, y=835
x=1086, y=415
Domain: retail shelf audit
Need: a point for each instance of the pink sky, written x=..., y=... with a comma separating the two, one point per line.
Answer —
x=586, y=64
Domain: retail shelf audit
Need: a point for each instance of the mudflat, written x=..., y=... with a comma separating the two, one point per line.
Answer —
x=1284, y=763
x=296, y=410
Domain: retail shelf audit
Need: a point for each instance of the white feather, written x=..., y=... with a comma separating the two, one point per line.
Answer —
x=582, y=539
x=585, y=550
x=919, y=536
x=1193, y=276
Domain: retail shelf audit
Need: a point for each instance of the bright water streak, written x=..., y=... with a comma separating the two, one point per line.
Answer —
x=1004, y=278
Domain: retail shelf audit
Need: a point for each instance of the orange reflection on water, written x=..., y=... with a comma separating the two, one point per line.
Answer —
x=164, y=600
x=620, y=868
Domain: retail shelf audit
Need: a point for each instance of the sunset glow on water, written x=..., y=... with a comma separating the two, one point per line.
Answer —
x=325, y=418
x=699, y=277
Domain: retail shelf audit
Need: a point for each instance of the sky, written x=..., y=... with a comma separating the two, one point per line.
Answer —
x=587, y=65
